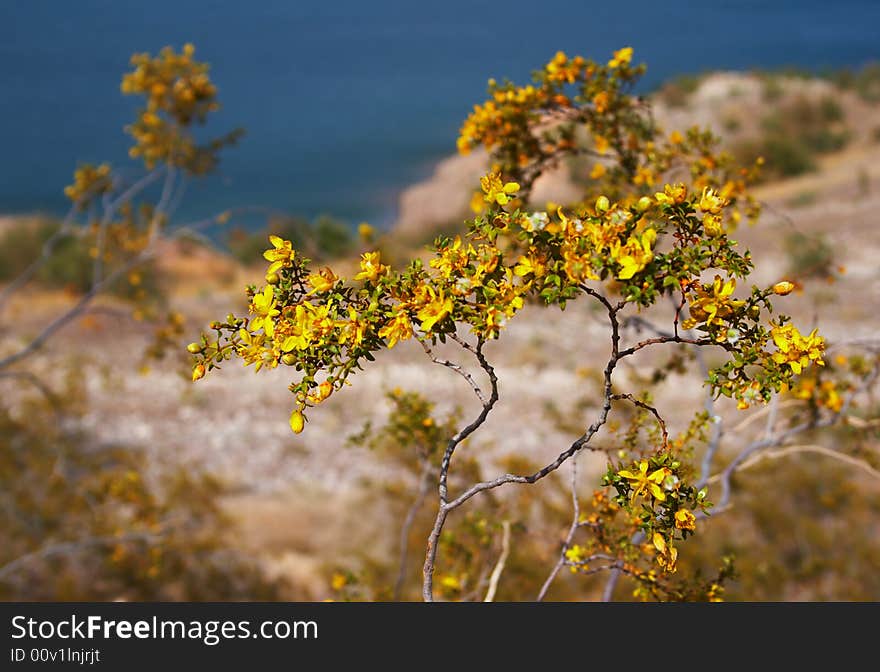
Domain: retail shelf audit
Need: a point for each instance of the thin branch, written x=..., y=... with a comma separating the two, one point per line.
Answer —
x=444, y=508
x=814, y=423
x=422, y=493
x=161, y=207
x=641, y=404
x=76, y=310
x=770, y=427
x=614, y=576
x=717, y=426
x=457, y=368
x=502, y=560
x=45, y=253
x=805, y=448
x=575, y=523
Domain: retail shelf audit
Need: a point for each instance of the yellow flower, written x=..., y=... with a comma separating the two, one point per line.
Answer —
x=450, y=583
x=659, y=542
x=398, y=328
x=797, y=350
x=352, y=329
x=496, y=191
x=252, y=350
x=366, y=232
x=339, y=581
x=263, y=305
x=601, y=143
x=575, y=554
x=600, y=102
x=478, y=203
x=713, y=307
x=323, y=281
x=371, y=268
x=435, y=309
x=530, y=264
x=299, y=333
x=635, y=255
x=598, y=171
x=685, y=520
x=672, y=194
x=642, y=481
x=281, y=254
x=712, y=202
x=621, y=57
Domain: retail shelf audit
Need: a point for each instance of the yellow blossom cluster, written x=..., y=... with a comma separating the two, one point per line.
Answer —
x=89, y=182
x=178, y=92
x=713, y=305
x=796, y=350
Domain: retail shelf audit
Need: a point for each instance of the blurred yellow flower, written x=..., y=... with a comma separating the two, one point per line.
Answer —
x=621, y=57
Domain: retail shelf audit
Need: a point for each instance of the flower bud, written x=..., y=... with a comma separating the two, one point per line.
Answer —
x=602, y=204
x=783, y=288
x=198, y=372
x=272, y=278
x=644, y=203
x=288, y=359
x=194, y=348
x=297, y=422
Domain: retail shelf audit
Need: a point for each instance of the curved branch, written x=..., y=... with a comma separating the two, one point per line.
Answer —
x=444, y=508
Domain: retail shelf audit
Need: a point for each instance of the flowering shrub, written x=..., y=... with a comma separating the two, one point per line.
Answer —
x=636, y=240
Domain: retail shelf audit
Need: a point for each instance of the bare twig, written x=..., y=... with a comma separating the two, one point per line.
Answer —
x=502, y=560
x=457, y=368
x=805, y=448
x=653, y=411
x=76, y=310
x=45, y=253
x=575, y=521
x=422, y=493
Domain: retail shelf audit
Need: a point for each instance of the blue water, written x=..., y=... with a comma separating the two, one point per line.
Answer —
x=347, y=102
